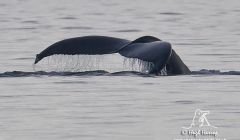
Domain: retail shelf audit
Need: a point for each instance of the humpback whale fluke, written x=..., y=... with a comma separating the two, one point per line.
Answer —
x=146, y=48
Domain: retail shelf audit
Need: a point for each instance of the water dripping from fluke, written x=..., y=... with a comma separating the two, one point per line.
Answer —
x=80, y=63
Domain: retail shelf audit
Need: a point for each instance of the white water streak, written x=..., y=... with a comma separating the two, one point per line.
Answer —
x=107, y=62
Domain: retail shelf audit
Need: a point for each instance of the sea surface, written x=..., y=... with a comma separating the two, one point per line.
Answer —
x=98, y=105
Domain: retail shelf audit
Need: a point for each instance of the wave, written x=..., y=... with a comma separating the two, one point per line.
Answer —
x=105, y=73
x=214, y=72
x=86, y=73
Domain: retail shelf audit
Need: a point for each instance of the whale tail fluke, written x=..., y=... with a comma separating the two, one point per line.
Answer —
x=146, y=48
x=88, y=45
x=176, y=66
x=146, y=39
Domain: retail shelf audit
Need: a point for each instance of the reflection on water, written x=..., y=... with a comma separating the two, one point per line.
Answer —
x=121, y=105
